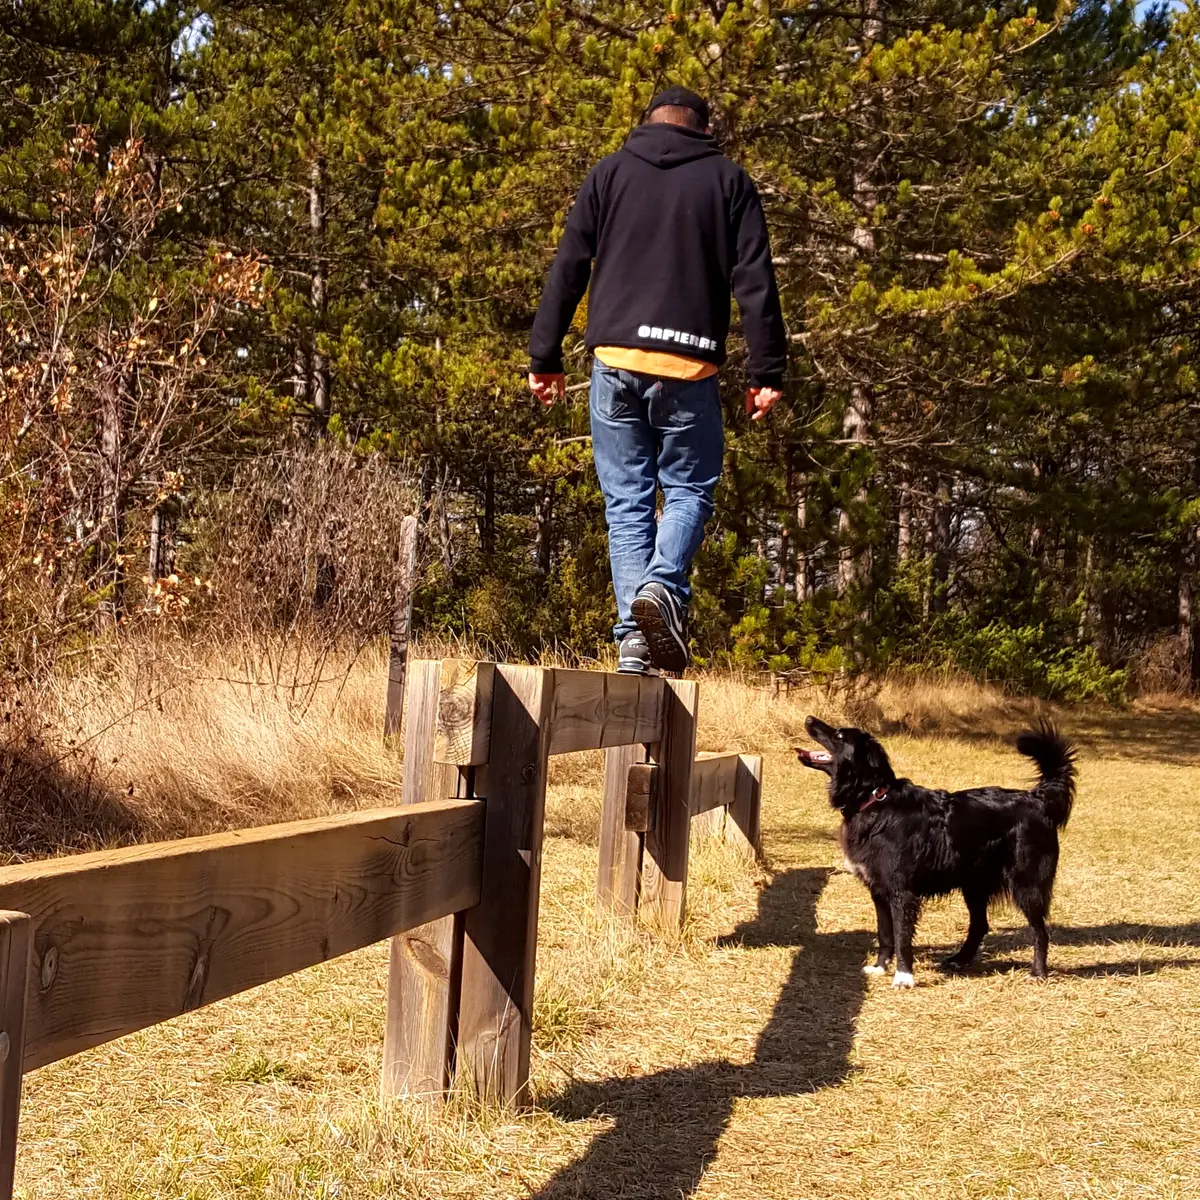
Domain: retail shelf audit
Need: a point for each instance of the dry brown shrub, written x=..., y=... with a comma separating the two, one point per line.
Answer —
x=243, y=700
x=1159, y=669
x=302, y=551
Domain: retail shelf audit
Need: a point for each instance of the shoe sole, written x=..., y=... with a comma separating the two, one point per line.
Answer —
x=666, y=650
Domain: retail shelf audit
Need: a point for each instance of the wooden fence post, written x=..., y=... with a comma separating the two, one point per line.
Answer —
x=499, y=952
x=464, y=712
x=426, y=963
x=665, y=860
x=16, y=947
x=620, y=849
x=743, y=821
x=401, y=627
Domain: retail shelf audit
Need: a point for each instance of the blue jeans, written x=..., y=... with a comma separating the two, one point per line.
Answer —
x=649, y=432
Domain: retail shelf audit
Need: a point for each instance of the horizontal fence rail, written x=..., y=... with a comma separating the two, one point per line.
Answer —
x=727, y=797
x=589, y=710
x=128, y=938
x=715, y=780
x=592, y=710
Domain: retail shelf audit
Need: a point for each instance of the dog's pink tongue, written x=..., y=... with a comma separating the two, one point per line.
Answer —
x=817, y=756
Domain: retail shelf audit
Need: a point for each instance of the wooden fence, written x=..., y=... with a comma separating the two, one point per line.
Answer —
x=96, y=946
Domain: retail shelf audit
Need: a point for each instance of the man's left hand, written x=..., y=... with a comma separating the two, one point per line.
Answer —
x=760, y=401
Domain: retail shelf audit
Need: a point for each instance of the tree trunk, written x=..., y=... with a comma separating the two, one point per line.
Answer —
x=325, y=580
x=905, y=521
x=803, y=580
x=159, y=564
x=758, y=548
x=1037, y=534
x=854, y=551
x=940, y=528
x=154, y=565
x=301, y=387
x=1089, y=617
x=447, y=533
x=1096, y=620
x=784, y=568
x=111, y=524
x=487, y=524
x=545, y=525
x=1189, y=644
x=320, y=367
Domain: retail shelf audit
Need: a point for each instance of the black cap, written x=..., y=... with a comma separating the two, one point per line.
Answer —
x=680, y=97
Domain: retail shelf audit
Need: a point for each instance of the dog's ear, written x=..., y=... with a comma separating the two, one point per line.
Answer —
x=877, y=759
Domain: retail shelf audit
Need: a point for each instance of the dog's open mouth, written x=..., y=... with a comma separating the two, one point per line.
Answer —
x=815, y=758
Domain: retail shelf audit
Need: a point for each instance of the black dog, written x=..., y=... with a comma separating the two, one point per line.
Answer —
x=907, y=842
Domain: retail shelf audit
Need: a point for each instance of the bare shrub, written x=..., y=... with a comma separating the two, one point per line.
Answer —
x=1161, y=670
x=110, y=391
x=298, y=562
x=230, y=696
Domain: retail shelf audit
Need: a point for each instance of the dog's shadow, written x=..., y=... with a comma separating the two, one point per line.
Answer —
x=667, y=1125
x=1000, y=952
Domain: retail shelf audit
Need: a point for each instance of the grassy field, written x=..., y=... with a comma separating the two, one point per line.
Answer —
x=749, y=1057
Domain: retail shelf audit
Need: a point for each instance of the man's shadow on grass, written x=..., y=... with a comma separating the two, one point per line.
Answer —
x=667, y=1125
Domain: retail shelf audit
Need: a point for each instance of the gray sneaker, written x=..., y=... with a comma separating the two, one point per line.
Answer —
x=635, y=656
x=663, y=619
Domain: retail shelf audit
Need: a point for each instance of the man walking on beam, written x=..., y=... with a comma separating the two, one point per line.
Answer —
x=665, y=229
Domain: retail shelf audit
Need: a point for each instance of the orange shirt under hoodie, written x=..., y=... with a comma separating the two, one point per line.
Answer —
x=654, y=362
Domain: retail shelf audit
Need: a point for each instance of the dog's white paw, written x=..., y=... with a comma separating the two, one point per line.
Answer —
x=873, y=969
x=903, y=979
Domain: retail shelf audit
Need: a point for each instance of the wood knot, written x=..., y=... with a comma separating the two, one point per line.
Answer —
x=428, y=958
x=49, y=971
x=194, y=996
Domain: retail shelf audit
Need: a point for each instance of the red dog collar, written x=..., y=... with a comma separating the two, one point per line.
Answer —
x=877, y=797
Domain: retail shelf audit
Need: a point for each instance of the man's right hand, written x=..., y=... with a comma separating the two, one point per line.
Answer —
x=548, y=388
x=760, y=401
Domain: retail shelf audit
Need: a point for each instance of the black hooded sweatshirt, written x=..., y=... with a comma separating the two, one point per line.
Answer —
x=673, y=226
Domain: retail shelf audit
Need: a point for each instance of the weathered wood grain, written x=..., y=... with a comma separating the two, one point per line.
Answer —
x=425, y=967
x=714, y=781
x=743, y=826
x=620, y=864
x=710, y=824
x=128, y=938
x=496, y=1010
x=665, y=859
x=16, y=943
x=593, y=710
x=464, y=712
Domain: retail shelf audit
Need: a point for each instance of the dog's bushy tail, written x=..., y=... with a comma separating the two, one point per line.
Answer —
x=1055, y=758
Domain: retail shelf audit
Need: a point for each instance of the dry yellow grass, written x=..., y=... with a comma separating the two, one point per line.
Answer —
x=747, y=1058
